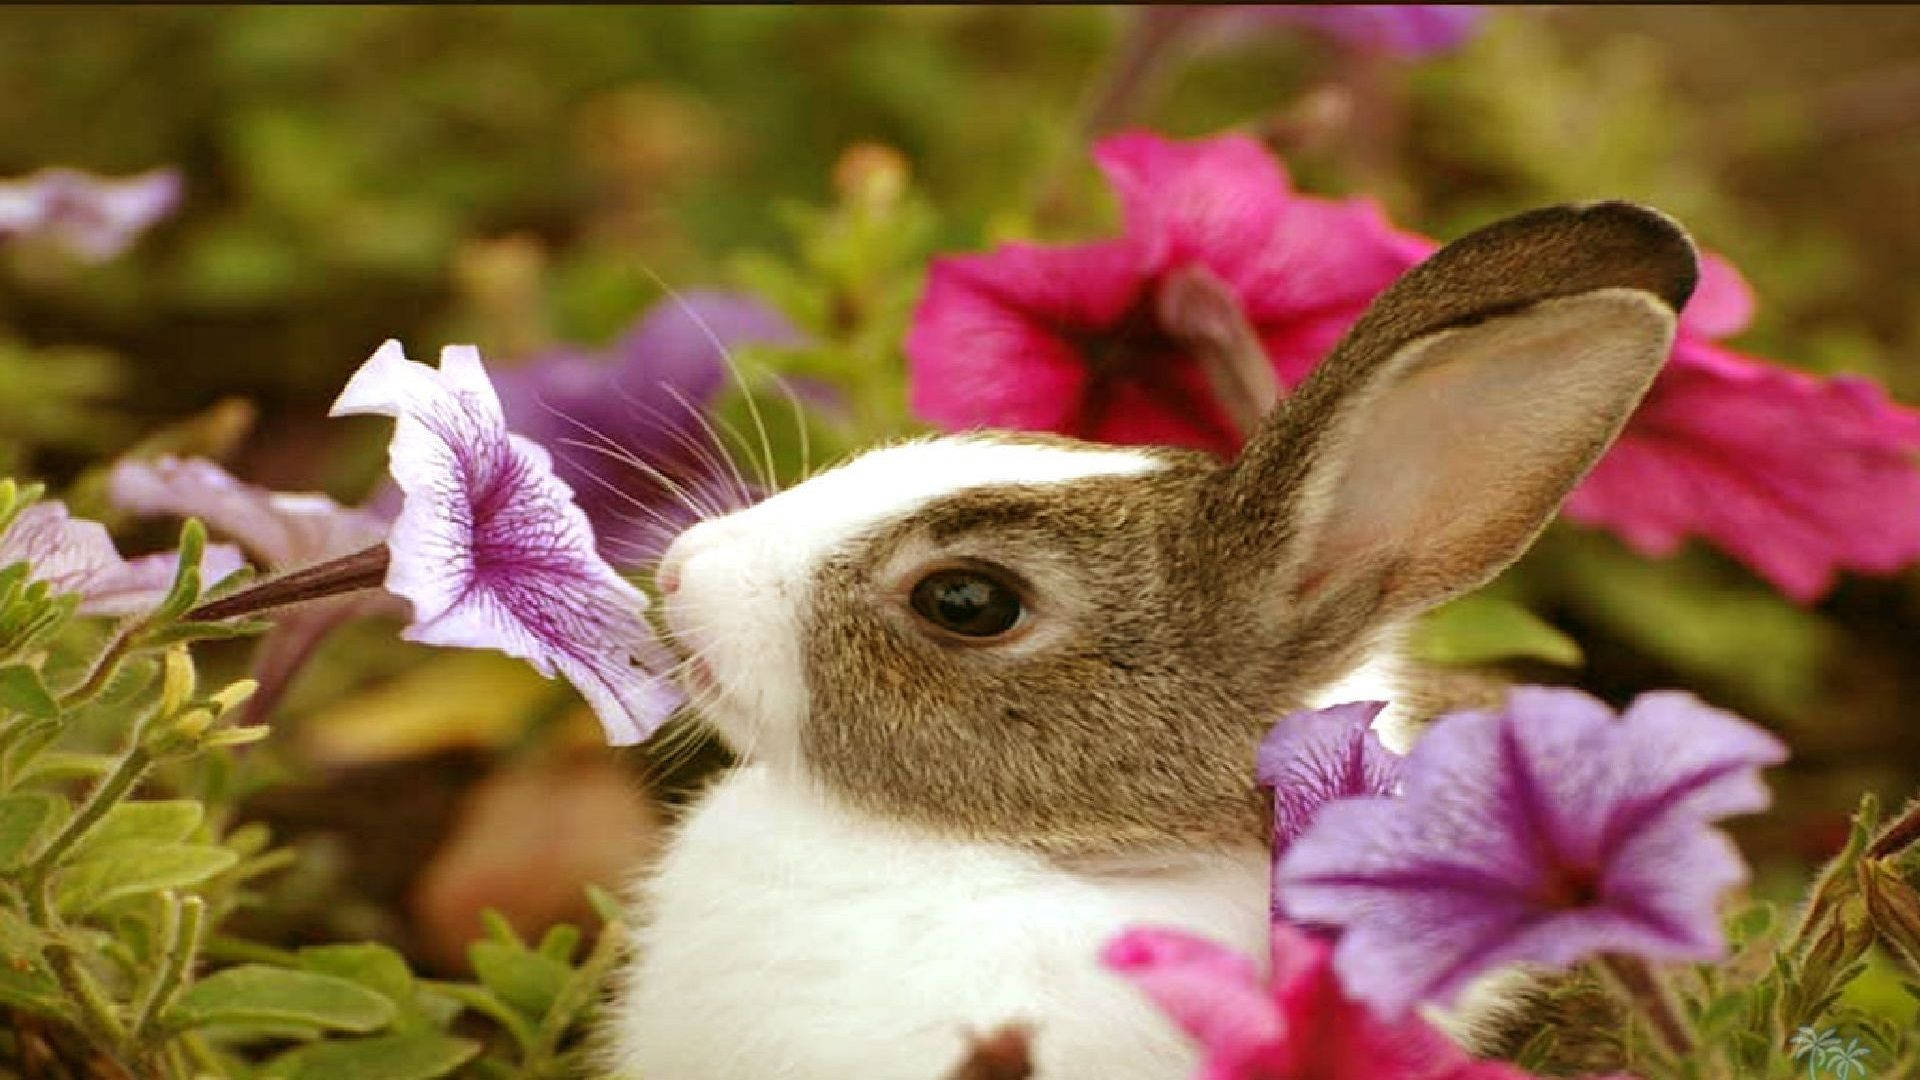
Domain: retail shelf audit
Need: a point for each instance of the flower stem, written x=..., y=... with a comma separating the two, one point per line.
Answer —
x=1650, y=995
x=103, y=669
x=364, y=569
x=182, y=947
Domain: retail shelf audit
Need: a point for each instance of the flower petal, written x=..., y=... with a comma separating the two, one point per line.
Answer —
x=1539, y=834
x=1315, y=756
x=94, y=218
x=1796, y=476
x=281, y=530
x=491, y=550
x=74, y=555
x=1722, y=303
x=1215, y=201
x=996, y=339
x=1213, y=994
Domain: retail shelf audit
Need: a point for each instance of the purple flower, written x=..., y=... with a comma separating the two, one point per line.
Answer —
x=625, y=429
x=1315, y=756
x=1410, y=30
x=93, y=218
x=280, y=530
x=1540, y=834
x=491, y=550
x=73, y=555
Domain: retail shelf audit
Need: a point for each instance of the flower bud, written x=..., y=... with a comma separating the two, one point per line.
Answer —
x=1894, y=907
x=193, y=723
x=177, y=680
x=233, y=695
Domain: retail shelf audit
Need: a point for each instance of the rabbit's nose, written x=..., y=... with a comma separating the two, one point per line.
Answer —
x=697, y=537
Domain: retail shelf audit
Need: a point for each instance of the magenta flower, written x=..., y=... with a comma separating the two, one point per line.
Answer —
x=625, y=429
x=1299, y=1025
x=93, y=218
x=1067, y=339
x=73, y=555
x=1409, y=30
x=1315, y=756
x=1796, y=476
x=1541, y=834
x=490, y=549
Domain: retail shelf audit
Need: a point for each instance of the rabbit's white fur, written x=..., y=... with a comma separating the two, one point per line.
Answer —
x=879, y=948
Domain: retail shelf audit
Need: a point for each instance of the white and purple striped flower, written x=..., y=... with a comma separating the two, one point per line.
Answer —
x=76, y=556
x=1543, y=833
x=490, y=549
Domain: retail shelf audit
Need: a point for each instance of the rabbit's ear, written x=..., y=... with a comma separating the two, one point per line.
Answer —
x=1444, y=430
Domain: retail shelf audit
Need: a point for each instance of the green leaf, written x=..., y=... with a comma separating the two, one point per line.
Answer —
x=22, y=691
x=417, y=1056
x=23, y=816
x=373, y=966
x=58, y=766
x=1483, y=629
x=524, y=979
x=258, y=994
x=128, y=868
x=159, y=821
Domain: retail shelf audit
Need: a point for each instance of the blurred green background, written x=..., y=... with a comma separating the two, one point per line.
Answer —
x=522, y=177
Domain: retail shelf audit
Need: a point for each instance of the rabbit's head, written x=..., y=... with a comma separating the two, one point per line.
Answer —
x=1076, y=647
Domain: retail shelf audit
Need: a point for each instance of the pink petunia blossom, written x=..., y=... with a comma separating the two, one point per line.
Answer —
x=73, y=555
x=1542, y=833
x=1298, y=1025
x=490, y=549
x=1796, y=476
x=93, y=218
x=1066, y=339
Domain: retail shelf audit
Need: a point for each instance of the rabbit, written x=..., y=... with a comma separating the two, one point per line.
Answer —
x=996, y=696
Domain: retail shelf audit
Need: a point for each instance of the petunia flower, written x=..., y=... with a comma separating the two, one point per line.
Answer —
x=93, y=218
x=1315, y=756
x=1069, y=340
x=490, y=549
x=1796, y=476
x=1541, y=834
x=73, y=555
x=1407, y=30
x=626, y=429
x=282, y=532
x=1297, y=1025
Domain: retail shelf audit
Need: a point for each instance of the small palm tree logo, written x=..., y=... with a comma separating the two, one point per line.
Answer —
x=1847, y=1060
x=1823, y=1050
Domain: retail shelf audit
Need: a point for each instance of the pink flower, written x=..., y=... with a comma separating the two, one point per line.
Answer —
x=1066, y=340
x=1298, y=1026
x=1796, y=476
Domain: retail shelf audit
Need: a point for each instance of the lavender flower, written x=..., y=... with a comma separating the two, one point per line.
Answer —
x=490, y=549
x=93, y=218
x=73, y=555
x=282, y=531
x=1542, y=834
x=625, y=429
x=1316, y=756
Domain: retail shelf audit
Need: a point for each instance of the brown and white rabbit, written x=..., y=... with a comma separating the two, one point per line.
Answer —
x=997, y=696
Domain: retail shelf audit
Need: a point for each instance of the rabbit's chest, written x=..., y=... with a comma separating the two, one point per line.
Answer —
x=784, y=939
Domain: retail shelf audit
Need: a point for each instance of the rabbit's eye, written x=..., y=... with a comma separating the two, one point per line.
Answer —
x=967, y=602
